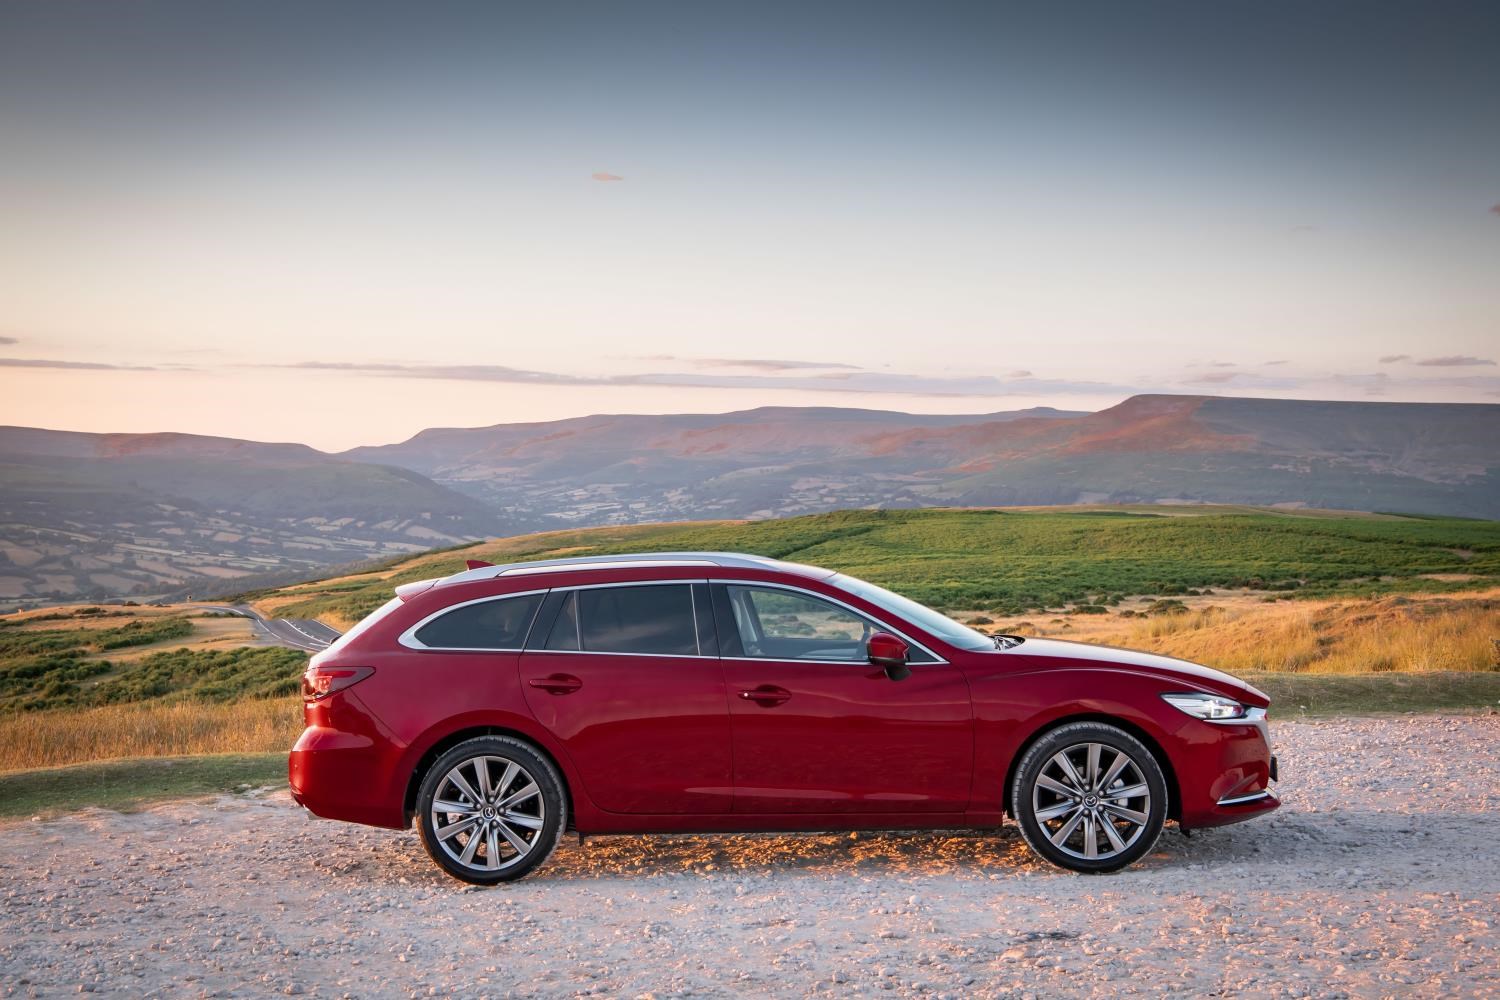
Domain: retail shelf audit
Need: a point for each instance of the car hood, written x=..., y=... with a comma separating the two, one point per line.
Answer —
x=1070, y=653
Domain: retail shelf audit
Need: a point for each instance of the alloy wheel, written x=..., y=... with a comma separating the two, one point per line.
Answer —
x=1092, y=801
x=487, y=813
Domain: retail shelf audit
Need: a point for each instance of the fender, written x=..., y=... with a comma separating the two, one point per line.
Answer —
x=524, y=726
x=1008, y=715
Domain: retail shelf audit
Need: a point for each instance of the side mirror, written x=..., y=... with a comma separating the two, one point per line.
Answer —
x=889, y=652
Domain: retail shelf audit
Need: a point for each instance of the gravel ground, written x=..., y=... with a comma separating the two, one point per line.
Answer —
x=1380, y=876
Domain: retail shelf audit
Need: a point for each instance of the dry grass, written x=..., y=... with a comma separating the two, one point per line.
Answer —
x=1340, y=637
x=147, y=729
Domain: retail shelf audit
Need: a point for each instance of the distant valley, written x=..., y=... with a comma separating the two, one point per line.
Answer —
x=118, y=515
x=115, y=515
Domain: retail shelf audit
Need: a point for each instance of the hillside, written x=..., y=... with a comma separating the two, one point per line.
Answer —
x=135, y=515
x=116, y=515
x=1308, y=604
x=1418, y=457
x=1009, y=562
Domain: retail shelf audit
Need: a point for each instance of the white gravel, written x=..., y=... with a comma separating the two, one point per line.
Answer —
x=1379, y=877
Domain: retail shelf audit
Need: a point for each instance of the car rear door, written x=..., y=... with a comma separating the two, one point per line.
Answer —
x=627, y=677
x=818, y=729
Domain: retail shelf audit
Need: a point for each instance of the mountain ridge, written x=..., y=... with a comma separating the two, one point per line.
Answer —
x=114, y=514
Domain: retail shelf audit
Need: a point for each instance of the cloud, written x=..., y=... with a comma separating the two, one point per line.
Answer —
x=606, y=177
x=1495, y=209
x=1243, y=380
x=1019, y=373
x=9, y=340
x=1268, y=364
x=770, y=364
x=852, y=381
x=1391, y=359
x=72, y=365
x=1454, y=361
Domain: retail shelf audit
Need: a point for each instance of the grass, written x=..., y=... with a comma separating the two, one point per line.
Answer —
x=1323, y=695
x=1390, y=634
x=1012, y=561
x=148, y=729
x=128, y=784
x=1366, y=614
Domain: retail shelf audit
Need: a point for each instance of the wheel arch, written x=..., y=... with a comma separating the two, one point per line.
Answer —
x=457, y=736
x=1152, y=744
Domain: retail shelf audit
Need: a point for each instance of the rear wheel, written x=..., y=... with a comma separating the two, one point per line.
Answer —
x=1089, y=797
x=491, y=810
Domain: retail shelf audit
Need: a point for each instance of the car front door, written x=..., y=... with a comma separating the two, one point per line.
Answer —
x=818, y=729
x=627, y=677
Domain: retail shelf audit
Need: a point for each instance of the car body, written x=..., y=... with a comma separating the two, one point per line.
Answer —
x=678, y=692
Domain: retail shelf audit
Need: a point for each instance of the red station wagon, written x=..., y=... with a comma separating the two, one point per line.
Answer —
x=698, y=692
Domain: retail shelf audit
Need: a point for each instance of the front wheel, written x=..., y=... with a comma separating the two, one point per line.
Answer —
x=491, y=810
x=1089, y=797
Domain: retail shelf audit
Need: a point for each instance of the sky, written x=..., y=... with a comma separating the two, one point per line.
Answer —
x=341, y=223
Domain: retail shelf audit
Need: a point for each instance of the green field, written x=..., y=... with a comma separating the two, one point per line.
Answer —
x=200, y=720
x=1013, y=561
x=61, y=666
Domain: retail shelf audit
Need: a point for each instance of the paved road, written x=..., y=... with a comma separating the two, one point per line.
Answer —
x=305, y=634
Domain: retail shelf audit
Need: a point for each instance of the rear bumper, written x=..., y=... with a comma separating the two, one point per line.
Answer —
x=343, y=776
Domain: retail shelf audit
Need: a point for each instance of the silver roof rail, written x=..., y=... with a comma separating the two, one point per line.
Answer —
x=725, y=560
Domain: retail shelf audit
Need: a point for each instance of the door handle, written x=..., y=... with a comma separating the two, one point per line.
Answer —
x=557, y=683
x=767, y=695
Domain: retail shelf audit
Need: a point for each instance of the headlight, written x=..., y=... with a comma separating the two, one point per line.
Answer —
x=1210, y=707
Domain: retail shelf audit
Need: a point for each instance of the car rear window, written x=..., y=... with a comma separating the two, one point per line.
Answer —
x=492, y=624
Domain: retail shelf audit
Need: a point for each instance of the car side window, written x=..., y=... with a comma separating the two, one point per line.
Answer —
x=650, y=619
x=780, y=624
x=496, y=624
x=774, y=624
x=564, y=634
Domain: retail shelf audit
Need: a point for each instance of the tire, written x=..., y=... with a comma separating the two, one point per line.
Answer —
x=1056, y=799
x=516, y=802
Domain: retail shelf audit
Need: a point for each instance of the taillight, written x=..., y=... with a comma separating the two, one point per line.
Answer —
x=320, y=682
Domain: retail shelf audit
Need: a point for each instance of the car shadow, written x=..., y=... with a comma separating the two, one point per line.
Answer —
x=1287, y=837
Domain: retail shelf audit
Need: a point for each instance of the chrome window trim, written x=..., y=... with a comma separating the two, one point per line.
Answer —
x=410, y=641
x=936, y=661
x=605, y=652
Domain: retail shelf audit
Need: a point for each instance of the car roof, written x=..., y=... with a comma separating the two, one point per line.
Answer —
x=639, y=560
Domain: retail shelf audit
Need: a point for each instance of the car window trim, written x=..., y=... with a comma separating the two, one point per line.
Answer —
x=410, y=641
x=936, y=661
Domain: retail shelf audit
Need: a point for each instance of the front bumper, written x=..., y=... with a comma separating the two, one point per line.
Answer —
x=1227, y=771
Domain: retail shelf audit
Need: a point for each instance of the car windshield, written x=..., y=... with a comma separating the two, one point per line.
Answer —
x=940, y=625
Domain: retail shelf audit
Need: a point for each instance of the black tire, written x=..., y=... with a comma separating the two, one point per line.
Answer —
x=1135, y=819
x=537, y=820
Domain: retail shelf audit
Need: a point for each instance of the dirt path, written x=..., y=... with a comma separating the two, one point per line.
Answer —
x=1380, y=877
